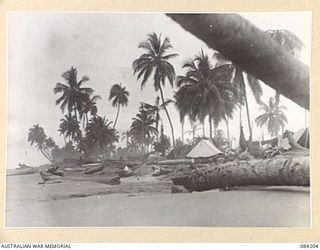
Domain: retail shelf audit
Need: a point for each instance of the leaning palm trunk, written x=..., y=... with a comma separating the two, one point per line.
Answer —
x=243, y=87
x=117, y=116
x=252, y=50
x=167, y=113
x=279, y=171
x=46, y=154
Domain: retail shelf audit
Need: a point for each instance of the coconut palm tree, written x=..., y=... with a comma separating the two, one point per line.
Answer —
x=252, y=50
x=205, y=91
x=194, y=128
x=126, y=136
x=89, y=107
x=240, y=78
x=74, y=96
x=292, y=44
x=155, y=109
x=100, y=134
x=142, y=129
x=69, y=127
x=156, y=61
x=119, y=96
x=270, y=115
x=38, y=138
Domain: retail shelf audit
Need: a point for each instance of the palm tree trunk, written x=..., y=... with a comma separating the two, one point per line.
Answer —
x=277, y=68
x=45, y=155
x=247, y=107
x=228, y=132
x=75, y=113
x=277, y=100
x=157, y=125
x=215, y=128
x=272, y=172
x=165, y=109
x=203, y=130
x=115, y=122
x=87, y=119
x=210, y=126
x=182, y=131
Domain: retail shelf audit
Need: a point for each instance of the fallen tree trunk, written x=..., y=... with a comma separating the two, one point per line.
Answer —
x=172, y=162
x=278, y=171
x=252, y=50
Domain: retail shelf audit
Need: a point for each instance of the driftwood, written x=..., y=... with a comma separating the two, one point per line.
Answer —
x=283, y=170
x=94, y=170
x=172, y=162
x=11, y=172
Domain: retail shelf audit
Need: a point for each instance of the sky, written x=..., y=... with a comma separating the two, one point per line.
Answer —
x=102, y=46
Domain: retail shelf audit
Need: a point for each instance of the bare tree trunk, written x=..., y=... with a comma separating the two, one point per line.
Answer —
x=278, y=171
x=243, y=87
x=168, y=116
x=203, y=130
x=228, y=132
x=45, y=155
x=215, y=129
x=115, y=122
x=239, y=41
x=75, y=113
x=182, y=131
x=210, y=126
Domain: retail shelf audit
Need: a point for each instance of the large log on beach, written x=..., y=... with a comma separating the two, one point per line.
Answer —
x=252, y=50
x=278, y=171
x=172, y=162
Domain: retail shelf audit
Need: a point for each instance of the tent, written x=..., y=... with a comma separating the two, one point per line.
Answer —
x=301, y=136
x=204, y=149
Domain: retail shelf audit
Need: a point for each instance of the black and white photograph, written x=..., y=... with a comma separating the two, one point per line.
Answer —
x=150, y=119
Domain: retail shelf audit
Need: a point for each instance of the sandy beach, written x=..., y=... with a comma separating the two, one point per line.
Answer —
x=146, y=201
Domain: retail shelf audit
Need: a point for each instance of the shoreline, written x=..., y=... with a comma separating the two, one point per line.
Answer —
x=52, y=206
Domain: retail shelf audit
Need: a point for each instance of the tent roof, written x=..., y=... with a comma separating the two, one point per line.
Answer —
x=284, y=143
x=204, y=149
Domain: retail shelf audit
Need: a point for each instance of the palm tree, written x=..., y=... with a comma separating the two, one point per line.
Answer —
x=142, y=129
x=38, y=137
x=74, y=96
x=252, y=50
x=100, y=134
x=119, y=96
x=238, y=78
x=126, y=136
x=155, y=109
x=205, y=91
x=292, y=44
x=270, y=115
x=89, y=107
x=156, y=61
x=194, y=128
x=69, y=127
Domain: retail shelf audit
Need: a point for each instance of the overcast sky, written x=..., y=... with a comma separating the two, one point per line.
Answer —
x=41, y=46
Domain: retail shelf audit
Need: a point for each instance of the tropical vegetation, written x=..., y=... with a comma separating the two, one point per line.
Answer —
x=156, y=61
x=273, y=117
x=209, y=91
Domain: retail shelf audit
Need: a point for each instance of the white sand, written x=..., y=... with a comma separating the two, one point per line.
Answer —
x=267, y=207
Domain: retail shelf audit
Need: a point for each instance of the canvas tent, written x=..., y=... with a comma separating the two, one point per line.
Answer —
x=204, y=149
x=301, y=136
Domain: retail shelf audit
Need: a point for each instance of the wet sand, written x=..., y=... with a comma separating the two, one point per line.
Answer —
x=31, y=205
